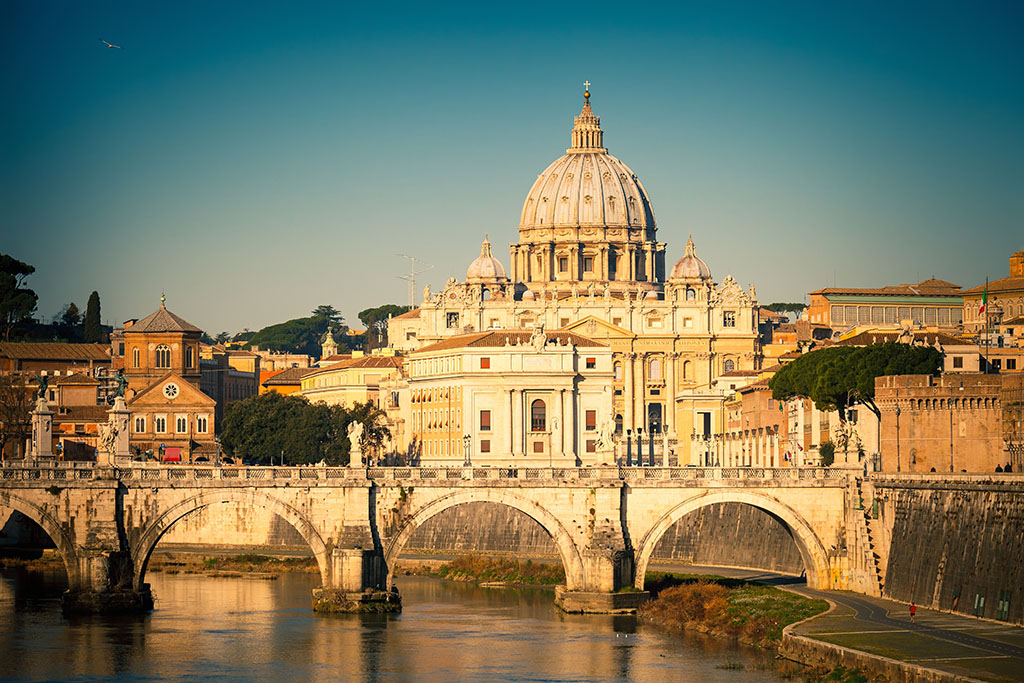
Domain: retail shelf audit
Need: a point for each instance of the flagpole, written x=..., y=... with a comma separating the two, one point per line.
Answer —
x=984, y=309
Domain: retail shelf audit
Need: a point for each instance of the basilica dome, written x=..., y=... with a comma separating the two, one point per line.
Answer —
x=485, y=267
x=691, y=266
x=587, y=187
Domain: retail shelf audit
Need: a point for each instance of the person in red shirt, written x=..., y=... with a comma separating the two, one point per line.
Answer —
x=913, y=613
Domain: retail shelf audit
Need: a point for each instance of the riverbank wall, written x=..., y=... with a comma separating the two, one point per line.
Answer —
x=952, y=542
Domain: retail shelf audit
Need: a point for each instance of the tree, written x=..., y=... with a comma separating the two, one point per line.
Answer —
x=376, y=321
x=785, y=308
x=838, y=377
x=70, y=316
x=92, y=329
x=301, y=335
x=17, y=302
x=16, y=398
x=67, y=323
x=222, y=337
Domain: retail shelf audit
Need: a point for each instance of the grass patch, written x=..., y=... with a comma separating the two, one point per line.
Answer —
x=751, y=612
x=479, y=568
x=232, y=566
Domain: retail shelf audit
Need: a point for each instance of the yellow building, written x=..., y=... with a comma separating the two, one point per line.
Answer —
x=345, y=383
x=1005, y=298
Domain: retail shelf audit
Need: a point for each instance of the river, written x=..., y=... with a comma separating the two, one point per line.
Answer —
x=252, y=629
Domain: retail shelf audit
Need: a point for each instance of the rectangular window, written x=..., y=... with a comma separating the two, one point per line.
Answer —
x=1003, y=606
x=688, y=323
x=591, y=417
x=563, y=322
x=120, y=348
x=931, y=316
x=956, y=316
x=943, y=316
x=997, y=364
x=563, y=264
x=617, y=321
x=657, y=392
x=877, y=314
x=979, y=604
x=485, y=363
x=160, y=424
x=202, y=424
x=917, y=314
x=588, y=264
x=538, y=446
x=591, y=446
x=452, y=320
x=904, y=313
x=485, y=420
x=863, y=314
x=890, y=315
x=958, y=361
x=485, y=446
x=837, y=314
x=729, y=319
x=591, y=363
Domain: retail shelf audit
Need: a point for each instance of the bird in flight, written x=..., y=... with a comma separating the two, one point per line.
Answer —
x=111, y=45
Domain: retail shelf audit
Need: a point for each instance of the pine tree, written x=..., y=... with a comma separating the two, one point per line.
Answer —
x=92, y=331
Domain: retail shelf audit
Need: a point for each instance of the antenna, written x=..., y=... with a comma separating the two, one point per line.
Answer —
x=411, y=277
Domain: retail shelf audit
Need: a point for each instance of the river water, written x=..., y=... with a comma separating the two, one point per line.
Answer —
x=251, y=629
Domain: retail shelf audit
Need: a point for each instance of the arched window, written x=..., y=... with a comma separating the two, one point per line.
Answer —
x=135, y=357
x=163, y=356
x=655, y=369
x=618, y=424
x=730, y=365
x=538, y=416
x=690, y=294
x=687, y=369
x=188, y=357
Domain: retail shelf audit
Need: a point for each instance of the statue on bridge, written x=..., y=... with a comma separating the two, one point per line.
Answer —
x=355, y=445
x=44, y=382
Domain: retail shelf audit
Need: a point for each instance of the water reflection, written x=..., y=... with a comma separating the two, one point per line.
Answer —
x=243, y=628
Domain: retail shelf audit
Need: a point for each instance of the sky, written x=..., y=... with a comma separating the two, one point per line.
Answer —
x=254, y=160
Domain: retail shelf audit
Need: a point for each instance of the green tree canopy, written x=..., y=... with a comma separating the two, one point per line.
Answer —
x=270, y=428
x=17, y=302
x=300, y=335
x=838, y=377
x=376, y=321
x=785, y=308
x=92, y=329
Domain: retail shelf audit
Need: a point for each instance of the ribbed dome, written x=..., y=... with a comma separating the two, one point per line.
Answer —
x=485, y=267
x=587, y=187
x=690, y=266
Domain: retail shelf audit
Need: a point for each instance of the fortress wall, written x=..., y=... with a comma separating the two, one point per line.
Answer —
x=954, y=545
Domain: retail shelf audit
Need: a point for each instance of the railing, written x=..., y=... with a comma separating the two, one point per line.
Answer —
x=269, y=476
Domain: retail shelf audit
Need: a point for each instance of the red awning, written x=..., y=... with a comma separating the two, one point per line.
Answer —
x=172, y=455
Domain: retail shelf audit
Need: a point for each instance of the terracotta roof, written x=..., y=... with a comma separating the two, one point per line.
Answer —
x=866, y=338
x=289, y=376
x=740, y=373
x=929, y=287
x=78, y=378
x=499, y=338
x=162, y=321
x=414, y=313
x=364, y=362
x=1006, y=284
x=54, y=351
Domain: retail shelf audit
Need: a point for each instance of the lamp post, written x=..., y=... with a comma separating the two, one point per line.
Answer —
x=898, y=438
x=629, y=447
x=466, y=441
x=639, y=446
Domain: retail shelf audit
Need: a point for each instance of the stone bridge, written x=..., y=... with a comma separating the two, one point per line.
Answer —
x=605, y=521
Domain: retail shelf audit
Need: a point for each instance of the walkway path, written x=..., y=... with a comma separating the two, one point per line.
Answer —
x=954, y=643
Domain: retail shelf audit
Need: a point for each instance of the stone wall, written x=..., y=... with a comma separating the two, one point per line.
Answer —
x=229, y=525
x=955, y=544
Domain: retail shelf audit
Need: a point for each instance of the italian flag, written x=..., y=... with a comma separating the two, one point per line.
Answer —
x=984, y=300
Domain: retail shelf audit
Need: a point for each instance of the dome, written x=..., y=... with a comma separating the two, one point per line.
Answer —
x=690, y=266
x=485, y=267
x=587, y=187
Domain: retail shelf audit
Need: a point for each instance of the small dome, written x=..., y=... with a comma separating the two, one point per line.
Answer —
x=485, y=267
x=691, y=266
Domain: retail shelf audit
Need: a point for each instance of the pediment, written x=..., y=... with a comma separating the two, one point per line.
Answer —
x=594, y=328
x=186, y=394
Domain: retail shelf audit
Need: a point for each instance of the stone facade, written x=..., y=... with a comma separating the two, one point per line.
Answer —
x=951, y=423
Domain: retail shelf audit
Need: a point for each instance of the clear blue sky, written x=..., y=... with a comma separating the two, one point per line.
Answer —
x=256, y=159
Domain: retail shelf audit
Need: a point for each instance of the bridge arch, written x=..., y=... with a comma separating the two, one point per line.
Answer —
x=807, y=542
x=567, y=550
x=143, y=547
x=53, y=529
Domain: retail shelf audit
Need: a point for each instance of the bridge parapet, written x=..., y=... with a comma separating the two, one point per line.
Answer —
x=334, y=476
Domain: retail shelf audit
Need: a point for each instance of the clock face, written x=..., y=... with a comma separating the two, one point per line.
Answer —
x=171, y=390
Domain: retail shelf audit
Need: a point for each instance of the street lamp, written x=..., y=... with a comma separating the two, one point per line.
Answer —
x=898, y=438
x=629, y=447
x=466, y=441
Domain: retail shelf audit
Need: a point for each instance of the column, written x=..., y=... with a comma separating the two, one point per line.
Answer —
x=604, y=262
x=568, y=422
x=507, y=429
x=670, y=405
x=640, y=415
x=517, y=423
x=631, y=262
x=557, y=438
x=648, y=263
x=627, y=403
